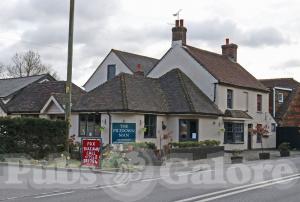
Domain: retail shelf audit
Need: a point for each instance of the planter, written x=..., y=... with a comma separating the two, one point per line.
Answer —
x=196, y=153
x=284, y=153
x=236, y=159
x=264, y=156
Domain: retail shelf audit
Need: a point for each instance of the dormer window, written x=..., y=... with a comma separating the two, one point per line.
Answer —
x=229, y=99
x=111, y=72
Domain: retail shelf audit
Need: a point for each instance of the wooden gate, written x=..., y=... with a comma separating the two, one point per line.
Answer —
x=288, y=134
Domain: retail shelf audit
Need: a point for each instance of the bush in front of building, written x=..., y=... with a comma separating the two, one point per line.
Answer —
x=35, y=137
x=190, y=144
x=141, y=145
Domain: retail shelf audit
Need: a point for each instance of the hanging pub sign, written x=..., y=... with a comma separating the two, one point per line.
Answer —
x=123, y=133
x=91, y=152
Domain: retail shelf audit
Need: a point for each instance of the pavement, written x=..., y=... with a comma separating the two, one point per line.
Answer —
x=273, y=180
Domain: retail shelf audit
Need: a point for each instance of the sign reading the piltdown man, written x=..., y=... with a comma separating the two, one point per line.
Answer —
x=123, y=132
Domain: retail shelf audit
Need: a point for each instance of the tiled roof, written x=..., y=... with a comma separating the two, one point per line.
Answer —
x=172, y=93
x=225, y=70
x=237, y=114
x=289, y=113
x=12, y=85
x=280, y=82
x=33, y=98
x=132, y=60
x=2, y=106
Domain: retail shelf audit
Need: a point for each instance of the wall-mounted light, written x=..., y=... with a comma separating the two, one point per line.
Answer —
x=163, y=125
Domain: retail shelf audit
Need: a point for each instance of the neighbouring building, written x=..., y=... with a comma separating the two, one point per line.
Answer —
x=284, y=101
x=115, y=63
x=11, y=86
x=285, y=108
x=44, y=100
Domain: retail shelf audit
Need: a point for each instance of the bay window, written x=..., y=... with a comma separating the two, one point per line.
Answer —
x=234, y=133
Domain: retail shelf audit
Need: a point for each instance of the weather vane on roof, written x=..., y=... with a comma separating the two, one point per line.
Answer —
x=177, y=14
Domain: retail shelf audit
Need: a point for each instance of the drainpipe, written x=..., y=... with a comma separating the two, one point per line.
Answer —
x=274, y=97
x=109, y=128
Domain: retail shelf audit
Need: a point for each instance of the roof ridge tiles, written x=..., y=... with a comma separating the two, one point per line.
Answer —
x=12, y=78
x=120, y=51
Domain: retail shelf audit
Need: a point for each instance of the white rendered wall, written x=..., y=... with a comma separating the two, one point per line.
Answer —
x=100, y=75
x=179, y=58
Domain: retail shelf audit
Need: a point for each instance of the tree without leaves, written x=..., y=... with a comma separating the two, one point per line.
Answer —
x=1, y=70
x=28, y=64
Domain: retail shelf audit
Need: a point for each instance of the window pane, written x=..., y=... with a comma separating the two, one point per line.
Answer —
x=229, y=99
x=90, y=125
x=259, y=103
x=183, y=129
x=150, y=125
x=234, y=133
x=82, y=125
x=188, y=130
x=111, y=72
x=97, y=125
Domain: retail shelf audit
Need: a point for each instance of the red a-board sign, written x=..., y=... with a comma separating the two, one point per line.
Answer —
x=91, y=152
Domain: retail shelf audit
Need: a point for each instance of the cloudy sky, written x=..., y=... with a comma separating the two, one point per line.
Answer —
x=267, y=32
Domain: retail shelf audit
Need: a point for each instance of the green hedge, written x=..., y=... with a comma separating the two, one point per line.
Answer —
x=144, y=145
x=32, y=136
x=195, y=144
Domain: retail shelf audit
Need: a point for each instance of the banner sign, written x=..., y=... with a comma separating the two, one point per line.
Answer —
x=91, y=152
x=123, y=132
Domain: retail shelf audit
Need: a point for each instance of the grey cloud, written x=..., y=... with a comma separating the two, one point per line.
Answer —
x=289, y=64
x=264, y=37
x=212, y=30
x=215, y=30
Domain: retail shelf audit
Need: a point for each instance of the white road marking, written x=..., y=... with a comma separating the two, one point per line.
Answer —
x=57, y=194
x=248, y=189
x=237, y=188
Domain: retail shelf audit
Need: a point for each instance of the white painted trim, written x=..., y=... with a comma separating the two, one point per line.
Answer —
x=52, y=99
x=274, y=102
x=280, y=88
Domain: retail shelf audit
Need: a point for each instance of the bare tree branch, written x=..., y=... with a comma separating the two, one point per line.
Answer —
x=2, y=70
x=28, y=64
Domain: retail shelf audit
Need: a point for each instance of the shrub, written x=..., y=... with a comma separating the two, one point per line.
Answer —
x=285, y=146
x=143, y=145
x=195, y=144
x=35, y=137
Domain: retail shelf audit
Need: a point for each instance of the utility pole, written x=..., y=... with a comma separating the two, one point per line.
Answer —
x=69, y=75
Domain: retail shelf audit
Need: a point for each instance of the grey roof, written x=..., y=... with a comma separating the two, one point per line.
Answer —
x=172, y=93
x=237, y=114
x=280, y=82
x=33, y=98
x=131, y=60
x=12, y=85
x=2, y=106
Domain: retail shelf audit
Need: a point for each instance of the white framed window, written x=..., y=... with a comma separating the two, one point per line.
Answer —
x=246, y=101
x=229, y=99
x=280, y=97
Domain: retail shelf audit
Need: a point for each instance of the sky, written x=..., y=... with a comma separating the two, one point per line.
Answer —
x=267, y=32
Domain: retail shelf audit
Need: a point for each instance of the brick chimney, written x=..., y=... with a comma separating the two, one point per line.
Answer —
x=230, y=50
x=179, y=33
x=139, y=71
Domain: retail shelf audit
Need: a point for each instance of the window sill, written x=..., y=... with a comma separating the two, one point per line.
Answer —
x=150, y=137
x=235, y=143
